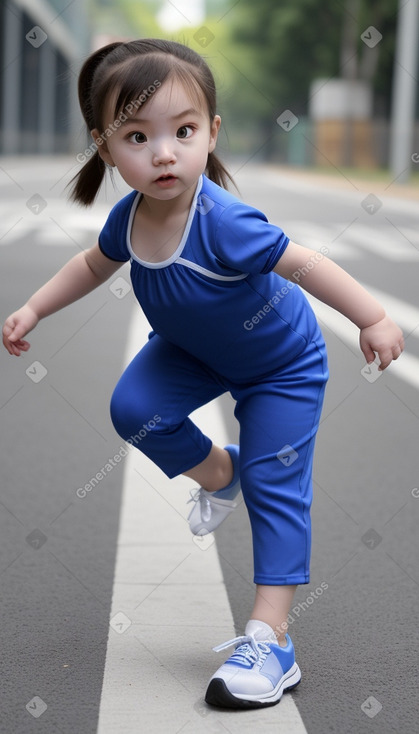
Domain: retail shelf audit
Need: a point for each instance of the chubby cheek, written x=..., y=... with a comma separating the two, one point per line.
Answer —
x=197, y=156
x=129, y=165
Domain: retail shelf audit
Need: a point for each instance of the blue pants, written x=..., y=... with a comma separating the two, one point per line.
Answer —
x=278, y=415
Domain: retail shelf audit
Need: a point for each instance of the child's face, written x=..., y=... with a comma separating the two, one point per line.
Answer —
x=161, y=150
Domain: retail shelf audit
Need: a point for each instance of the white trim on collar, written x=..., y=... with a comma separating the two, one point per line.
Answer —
x=209, y=273
x=181, y=245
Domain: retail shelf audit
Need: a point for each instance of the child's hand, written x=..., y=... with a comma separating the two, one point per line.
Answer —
x=385, y=338
x=15, y=327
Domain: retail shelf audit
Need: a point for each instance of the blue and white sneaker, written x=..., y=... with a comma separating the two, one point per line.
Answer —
x=258, y=672
x=211, y=508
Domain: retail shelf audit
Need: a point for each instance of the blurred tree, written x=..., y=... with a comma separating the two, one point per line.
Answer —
x=376, y=64
x=357, y=59
x=281, y=46
x=141, y=17
x=278, y=48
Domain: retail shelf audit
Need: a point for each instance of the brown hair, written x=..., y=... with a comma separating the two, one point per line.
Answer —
x=129, y=74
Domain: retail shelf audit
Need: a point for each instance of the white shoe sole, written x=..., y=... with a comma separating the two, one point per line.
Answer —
x=218, y=694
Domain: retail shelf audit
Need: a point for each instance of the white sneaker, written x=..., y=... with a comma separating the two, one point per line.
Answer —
x=258, y=672
x=211, y=508
x=208, y=512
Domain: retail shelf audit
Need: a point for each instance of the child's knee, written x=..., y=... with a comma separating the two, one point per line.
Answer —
x=131, y=414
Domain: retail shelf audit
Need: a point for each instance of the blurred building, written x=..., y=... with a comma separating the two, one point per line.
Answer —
x=42, y=45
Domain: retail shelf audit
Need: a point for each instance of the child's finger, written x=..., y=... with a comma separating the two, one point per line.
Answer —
x=368, y=353
x=11, y=348
x=22, y=344
x=386, y=357
x=18, y=331
x=18, y=347
x=7, y=329
x=14, y=347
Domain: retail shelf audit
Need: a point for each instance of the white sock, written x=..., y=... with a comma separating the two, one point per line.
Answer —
x=261, y=631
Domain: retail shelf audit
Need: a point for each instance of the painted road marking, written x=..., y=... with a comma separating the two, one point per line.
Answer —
x=406, y=368
x=356, y=241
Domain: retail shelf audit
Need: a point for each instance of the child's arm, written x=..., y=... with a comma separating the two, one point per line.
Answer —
x=332, y=285
x=79, y=276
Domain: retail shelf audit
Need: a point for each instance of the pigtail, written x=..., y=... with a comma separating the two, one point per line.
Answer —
x=217, y=172
x=86, y=183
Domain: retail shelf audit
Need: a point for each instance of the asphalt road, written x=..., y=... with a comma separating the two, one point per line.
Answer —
x=355, y=625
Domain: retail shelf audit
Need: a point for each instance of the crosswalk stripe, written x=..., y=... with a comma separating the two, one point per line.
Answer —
x=316, y=236
x=406, y=368
x=406, y=315
x=382, y=243
x=56, y=224
x=356, y=241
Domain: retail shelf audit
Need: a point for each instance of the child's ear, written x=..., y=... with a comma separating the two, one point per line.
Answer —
x=102, y=147
x=215, y=126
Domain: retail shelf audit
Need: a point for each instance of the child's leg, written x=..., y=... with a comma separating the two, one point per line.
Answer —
x=278, y=422
x=215, y=472
x=151, y=403
x=272, y=605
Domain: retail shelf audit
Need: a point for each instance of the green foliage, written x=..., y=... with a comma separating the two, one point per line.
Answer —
x=141, y=17
x=280, y=47
x=285, y=46
x=126, y=18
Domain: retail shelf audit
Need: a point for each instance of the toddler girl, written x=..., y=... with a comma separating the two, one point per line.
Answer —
x=217, y=283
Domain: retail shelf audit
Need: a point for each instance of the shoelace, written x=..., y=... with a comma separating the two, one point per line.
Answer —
x=197, y=495
x=248, y=649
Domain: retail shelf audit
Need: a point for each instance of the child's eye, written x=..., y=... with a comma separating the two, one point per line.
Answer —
x=137, y=138
x=185, y=131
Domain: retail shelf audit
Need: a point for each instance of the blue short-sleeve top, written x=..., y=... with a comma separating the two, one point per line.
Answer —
x=216, y=296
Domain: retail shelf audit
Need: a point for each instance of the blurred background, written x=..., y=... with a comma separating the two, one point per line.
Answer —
x=317, y=83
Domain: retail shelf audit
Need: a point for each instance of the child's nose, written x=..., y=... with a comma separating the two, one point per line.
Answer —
x=163, y=152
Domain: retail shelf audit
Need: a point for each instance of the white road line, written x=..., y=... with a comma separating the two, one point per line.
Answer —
x=406, y=368
x=326, y=189
x=406, y=315
x=316, y=236
x=384, y=242
x=353, y=242
x=169, y=608
x=55, y=224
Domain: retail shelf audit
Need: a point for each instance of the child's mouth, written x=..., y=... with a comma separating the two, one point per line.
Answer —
x=166, y=180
